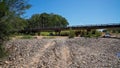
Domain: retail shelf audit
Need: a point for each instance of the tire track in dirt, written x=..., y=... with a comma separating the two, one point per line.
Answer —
x=65, y=55
x=35, y=58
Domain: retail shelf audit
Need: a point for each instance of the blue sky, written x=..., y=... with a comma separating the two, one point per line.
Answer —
x=79, y=12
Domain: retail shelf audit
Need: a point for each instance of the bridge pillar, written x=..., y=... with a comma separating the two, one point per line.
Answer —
x=57, y=32
x=78, y=32
x=88, y=30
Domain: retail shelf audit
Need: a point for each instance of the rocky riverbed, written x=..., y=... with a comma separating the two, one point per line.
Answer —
x=63, y=53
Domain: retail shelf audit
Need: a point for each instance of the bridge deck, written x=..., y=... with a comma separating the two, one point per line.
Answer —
x=101, y=26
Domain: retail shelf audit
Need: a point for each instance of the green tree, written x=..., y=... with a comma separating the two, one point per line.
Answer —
x=10, y=12
x=47, y=20
x=58, y=21
x=34, y=21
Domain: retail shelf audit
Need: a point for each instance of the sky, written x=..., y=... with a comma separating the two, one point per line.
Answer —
x=79, y=12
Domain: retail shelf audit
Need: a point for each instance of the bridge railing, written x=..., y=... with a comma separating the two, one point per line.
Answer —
x=98, y=26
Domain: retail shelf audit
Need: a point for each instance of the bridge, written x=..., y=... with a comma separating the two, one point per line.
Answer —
x=58, y=29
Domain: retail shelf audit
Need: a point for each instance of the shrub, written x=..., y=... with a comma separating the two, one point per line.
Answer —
x=91, y=34
x=71, y=34
x=98, y=34
x=48, y=37
x=77, y=32
x=44, y=33
x=26, y=37
x=3, y=53
x=64, y=33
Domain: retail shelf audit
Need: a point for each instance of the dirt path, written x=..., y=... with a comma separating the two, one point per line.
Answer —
x=35, y=58
x=65, y=53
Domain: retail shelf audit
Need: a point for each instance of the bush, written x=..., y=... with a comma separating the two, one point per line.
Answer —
x=26, y=37
x=78, y=32
x=94, y=34
x=44, y=33
x=48, y=37
x=91, y=34
x=64, y=33
x=71, y=34
x=3, y=53
x=98, y=34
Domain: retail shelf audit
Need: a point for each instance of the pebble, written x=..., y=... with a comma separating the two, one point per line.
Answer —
x=86, y=53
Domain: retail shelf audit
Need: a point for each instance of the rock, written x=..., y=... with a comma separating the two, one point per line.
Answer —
x=6, y=62
x=83, y=62
x=63, y=53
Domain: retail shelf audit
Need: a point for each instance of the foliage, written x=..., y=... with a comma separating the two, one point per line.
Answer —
x=18, y=24
x=10, y=12
x=27, y=37
x=14, y=7
x=71, y=34
x=98, y=34
x=44, y=33
x=3, y=53
x=115, y=30
x=93, y=33
x=46, y=20
x=48, y=37
x=64, y=33
x=83, y=33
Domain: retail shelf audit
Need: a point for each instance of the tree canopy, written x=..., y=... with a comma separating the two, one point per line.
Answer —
x=10, y=20
x=10, y=12
x=47, y=20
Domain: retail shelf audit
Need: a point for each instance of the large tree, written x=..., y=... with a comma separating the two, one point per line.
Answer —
x=10, y=12
x=58, y=21
x=47, y=20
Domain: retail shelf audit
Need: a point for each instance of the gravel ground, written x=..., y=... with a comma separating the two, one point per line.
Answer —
x=63, y=53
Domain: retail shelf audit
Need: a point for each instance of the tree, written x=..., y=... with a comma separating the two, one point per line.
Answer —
x=34, y=21
x=58, y=21
x=47, y=20
x=10, y=12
